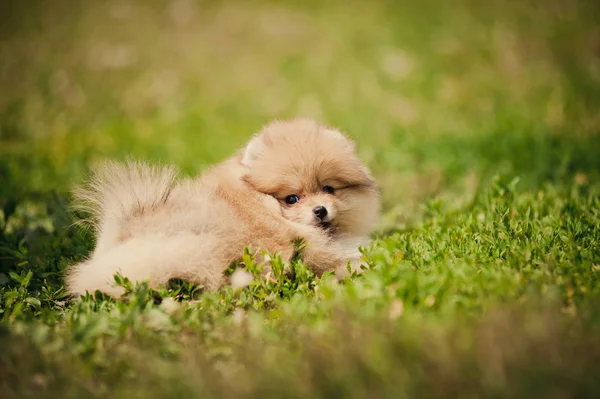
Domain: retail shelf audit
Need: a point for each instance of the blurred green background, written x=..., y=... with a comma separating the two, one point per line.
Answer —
x=436, y=93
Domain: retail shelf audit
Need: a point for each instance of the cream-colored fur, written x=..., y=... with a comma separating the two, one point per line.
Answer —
x=152, y=227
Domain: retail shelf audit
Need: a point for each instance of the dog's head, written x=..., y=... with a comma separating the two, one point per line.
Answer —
x=315, y=174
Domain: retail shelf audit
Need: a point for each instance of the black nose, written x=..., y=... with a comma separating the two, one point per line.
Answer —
x=320, y=212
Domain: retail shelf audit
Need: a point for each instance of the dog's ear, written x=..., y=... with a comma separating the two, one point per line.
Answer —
x=339, y=136
x=253, y=151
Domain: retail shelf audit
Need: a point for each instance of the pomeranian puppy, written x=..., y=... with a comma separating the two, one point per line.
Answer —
x=295, y=179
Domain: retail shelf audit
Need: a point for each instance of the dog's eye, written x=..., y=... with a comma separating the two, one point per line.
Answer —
x=328, y=189
x=291, y=199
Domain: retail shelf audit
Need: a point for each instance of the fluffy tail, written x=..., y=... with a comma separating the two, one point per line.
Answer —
x=117, y=192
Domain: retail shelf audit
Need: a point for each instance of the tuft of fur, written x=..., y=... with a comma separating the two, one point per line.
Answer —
x=117, y=192
x=151, y=227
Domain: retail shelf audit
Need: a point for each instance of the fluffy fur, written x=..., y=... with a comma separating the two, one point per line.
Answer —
x=152, y=227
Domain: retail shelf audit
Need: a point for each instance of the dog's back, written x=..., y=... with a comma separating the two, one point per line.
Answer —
x=130, y=207
x=151, y=227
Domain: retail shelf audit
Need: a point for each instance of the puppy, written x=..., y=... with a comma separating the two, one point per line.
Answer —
x=295, y=179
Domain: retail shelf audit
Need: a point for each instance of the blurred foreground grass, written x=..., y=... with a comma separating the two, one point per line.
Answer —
x=479, y=286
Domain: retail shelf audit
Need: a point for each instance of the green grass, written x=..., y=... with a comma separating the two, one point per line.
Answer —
x=479, y=120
